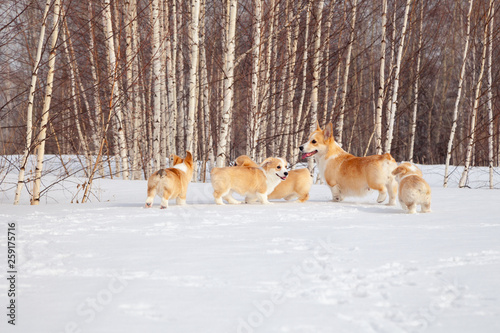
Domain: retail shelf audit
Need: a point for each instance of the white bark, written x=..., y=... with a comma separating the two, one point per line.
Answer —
x=31, y=97
x=413, y=124
x=340, y=123
x=490, y=99
x=253, y=131
x=381, y=88
x=155, y=20
x=470, y=145
x=459, y=94
x=42, y=135
x=115, y=94
x=395, y=87
x=222, y=148
x=193, y=73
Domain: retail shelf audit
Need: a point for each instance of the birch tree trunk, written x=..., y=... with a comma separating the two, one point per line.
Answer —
x=305, y=58
x=155, y=20
x=489, y=105
x=171, y=88
x=222, y=147
x=42, y=135
x=395, y=87
x=193, y=73
x=413, y=123
x=29, y=113
x=122, y=143
x=381, y=88
x=470, y=145
x=340, y=123
x=457, y=100
x=253, y=131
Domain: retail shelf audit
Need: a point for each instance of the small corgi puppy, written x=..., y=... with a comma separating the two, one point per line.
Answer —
x=413, y=189
x=297, y=184
x=346, y=174
x=251, y=182
x=172, y=182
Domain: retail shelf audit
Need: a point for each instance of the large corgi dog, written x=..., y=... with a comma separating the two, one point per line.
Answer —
x=172, y=182
x=413, y=189
x=251, y=182
x=297, y=184
x=348, y=175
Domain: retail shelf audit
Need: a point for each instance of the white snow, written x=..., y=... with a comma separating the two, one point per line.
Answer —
x=357, y=266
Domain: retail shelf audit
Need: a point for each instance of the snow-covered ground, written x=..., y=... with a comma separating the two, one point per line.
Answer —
x=356, y=266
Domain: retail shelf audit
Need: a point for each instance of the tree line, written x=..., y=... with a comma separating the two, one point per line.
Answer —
x=127, y=83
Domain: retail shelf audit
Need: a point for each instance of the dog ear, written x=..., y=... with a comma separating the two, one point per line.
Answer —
x=189, y=158
x=175, y=159
x=328, y=132
x=399, y=170
x=265, y=164
x=318, y=128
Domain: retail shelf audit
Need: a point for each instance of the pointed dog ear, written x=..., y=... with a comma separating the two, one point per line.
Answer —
x=189, y=157
x=266, y=163
x=328, y=132
x=175, y=159
x=318, y=128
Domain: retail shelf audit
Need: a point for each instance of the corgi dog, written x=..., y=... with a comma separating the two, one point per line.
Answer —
x=172, y=182
x=251, y=182
x=346, y=174
x=297, y=184
x=413, y=189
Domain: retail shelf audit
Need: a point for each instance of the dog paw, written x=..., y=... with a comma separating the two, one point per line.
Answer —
x=163, y=207
x=148, y=205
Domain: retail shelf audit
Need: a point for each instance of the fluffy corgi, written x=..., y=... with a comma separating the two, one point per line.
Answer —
x=172, y=182
x=297, y=184
x=251, y=182
x=346, y=174
x=413, y=189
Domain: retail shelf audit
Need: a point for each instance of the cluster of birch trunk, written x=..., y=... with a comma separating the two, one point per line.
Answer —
x=125, y=84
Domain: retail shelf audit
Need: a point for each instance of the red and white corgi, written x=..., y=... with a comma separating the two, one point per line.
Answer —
x=297, y=184
x=171, y=183
x=348, y=175
x=251, y=182
x=413, y=189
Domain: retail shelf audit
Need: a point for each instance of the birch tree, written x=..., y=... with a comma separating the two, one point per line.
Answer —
x=42, y=135
x=254, y=119
x=31, y=97
x=457, y=99
x=115, y=94
x=340, y=123
x=470, y=144
x=395, y=87
x=489, y=105
x=193, y=70
x=381, y=87
x=413, y=123
x=155, y=20
x=222, y=147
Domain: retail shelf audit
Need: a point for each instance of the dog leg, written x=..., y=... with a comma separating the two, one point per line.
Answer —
x=180, y=201
x=229, y=198
x=382, y=195
x=263, y=198
x=303, y=198
x=393, y=192
x=218, y=198
x=412, y=208
x=150, y=198
x=250, y=200
x=336, y=193
x=425, y=207
x=290, y=197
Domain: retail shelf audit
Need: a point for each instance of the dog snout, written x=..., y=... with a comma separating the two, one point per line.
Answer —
x=286, y=173
x=301, y=148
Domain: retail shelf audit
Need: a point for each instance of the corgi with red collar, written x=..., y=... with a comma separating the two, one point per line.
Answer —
x=171, y=183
